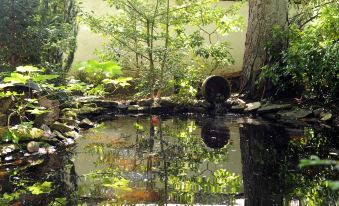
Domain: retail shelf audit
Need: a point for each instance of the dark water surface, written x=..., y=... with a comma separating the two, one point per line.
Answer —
x=203, y=161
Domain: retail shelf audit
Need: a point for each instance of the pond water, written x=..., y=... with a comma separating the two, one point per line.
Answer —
x=157, y=160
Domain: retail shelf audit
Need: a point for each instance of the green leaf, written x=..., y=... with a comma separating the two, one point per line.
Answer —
x=39, y=188
x=37, y=111
x=43, y=78
x=17, y=78
x=334, y=185
x=59, y=202
x=315, y=161
x=7, y=137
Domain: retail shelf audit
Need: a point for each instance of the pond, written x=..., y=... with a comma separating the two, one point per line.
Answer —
x=160, y=160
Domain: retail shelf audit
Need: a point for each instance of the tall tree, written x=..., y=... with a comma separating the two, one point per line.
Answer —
x=264, y=16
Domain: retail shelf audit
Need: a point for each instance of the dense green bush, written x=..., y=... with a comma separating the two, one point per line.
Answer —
x=311, y=59
x=40, y=33
x=97, y=78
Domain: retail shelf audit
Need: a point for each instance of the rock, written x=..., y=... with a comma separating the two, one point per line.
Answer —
x=110, y=104
x=272, y=108
x=6, y=149
x=73, y=135
x=318, y=111
x=61, y=127
x=252, y=106
x=87, y=109
x=69, y=121
x=167, y=102
x=294, y=114
x=326, y=117
x=47, y=131
x=6, y=104
x=86, y=124
x=240, y=102
x=3, y=120
x=232, y=102
x=237, y=109
x=122, y=106
x=59, y=135
x=93, y=101
x=145, y=102
x=69, y=113
x=53, y=114
x=33, y=147
x=136, y=108
x=202, y=103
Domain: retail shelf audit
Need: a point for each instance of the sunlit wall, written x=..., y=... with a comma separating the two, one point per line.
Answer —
x=89, y=41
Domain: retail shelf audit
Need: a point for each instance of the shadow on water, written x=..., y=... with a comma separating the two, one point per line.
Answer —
x=220, y=161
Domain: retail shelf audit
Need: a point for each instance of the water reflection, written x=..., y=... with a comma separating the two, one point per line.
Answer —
x=215, y=134
x=180, y=161
x=270, y=157
x=166, y=162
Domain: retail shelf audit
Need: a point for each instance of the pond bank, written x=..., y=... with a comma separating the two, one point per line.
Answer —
x=287, y=112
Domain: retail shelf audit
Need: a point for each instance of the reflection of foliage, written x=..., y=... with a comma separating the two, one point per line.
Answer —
x=316, y=161
x=36, y=189
x=175, y=154
x=104, y=183
x=47, y=181
x=316, y=182
x=221, y=182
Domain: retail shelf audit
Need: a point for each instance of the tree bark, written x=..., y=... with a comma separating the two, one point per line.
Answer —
x=264, y=15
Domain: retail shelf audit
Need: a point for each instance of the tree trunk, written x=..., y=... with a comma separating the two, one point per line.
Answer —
x=264, y=15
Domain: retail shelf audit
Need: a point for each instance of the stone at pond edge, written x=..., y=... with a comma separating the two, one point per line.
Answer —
x=86, y=109
x=145, y=102
x=33, y=147
x=252, y=106
x=237, y=109
x=69, y=113
x=6, y=149
x=59, y=135
x=53, y=114
x=318, y=111
x=271, y=108
x=86, y=124
x=73, y=135
x=136, y=108
x=61, y=127
x=167, y=102
x=69, y=121
x=294, y=114
x=202, y=103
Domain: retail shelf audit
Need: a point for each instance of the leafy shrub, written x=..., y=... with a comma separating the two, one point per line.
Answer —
x=41, y=33
x=311, y=59
x=91, y=77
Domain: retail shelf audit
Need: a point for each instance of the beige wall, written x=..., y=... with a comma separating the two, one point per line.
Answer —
x=89, y=41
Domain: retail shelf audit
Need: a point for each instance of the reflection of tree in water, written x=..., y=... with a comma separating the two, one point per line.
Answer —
x=270, y=157
x=169, y=161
